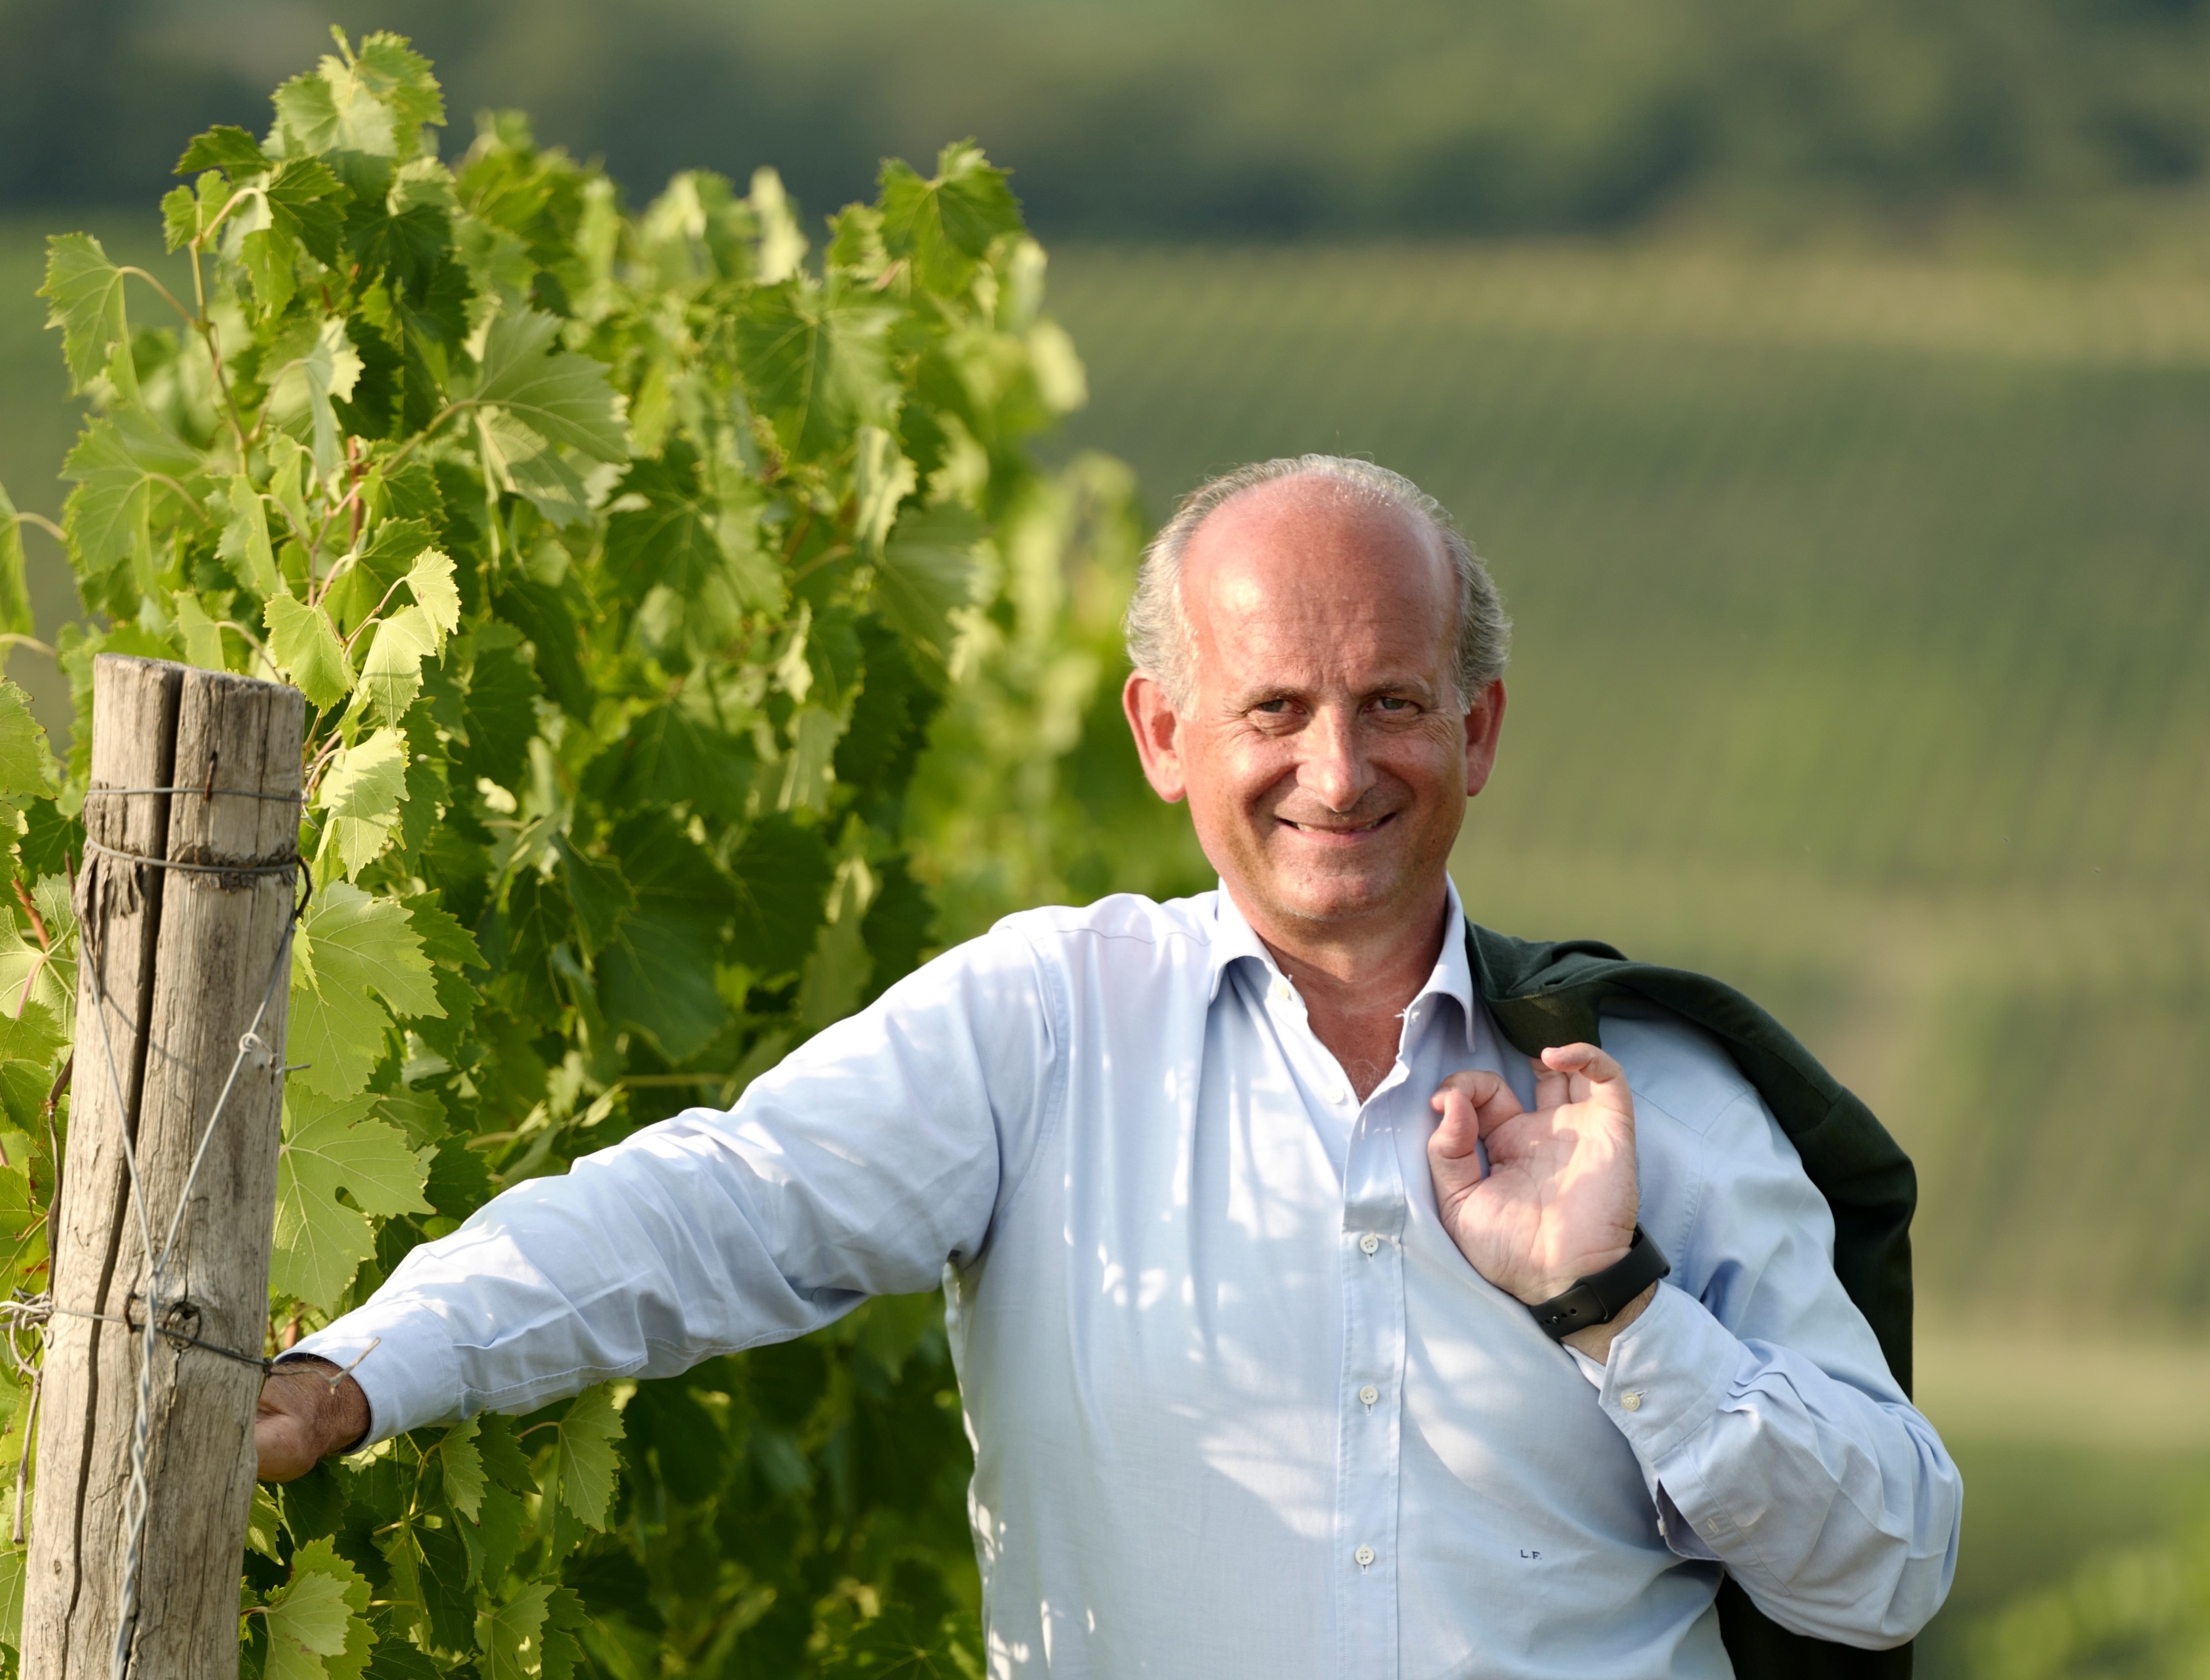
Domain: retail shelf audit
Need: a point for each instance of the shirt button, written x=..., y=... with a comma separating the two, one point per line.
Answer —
x=1369, y=1243
x=1369, y=1394
x=1338, y=1094
x=1631, y=1400
x=1281, y=990
x=1364, y=1555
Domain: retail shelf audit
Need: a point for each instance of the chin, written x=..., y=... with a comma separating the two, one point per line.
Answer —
x=1340, y=900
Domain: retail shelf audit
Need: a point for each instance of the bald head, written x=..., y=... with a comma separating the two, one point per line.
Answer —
x=1161, y=639
x=1311, y=559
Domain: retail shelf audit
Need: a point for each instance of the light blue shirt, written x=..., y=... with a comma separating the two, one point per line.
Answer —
x=1238, y=1405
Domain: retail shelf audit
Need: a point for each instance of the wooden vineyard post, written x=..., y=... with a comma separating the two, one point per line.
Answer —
x=175, y=962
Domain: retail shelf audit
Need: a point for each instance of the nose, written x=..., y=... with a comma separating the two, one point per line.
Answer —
x=1334, y=769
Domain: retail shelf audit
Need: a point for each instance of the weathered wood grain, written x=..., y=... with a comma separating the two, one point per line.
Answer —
x=191, y=956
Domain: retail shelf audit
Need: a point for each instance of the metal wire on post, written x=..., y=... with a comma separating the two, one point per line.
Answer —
x=138, y=1498
x=189, y=907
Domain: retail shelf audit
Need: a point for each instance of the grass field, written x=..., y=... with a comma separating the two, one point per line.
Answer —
x=1863, y=657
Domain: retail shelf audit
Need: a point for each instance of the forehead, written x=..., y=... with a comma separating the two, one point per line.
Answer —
x=1310, y=576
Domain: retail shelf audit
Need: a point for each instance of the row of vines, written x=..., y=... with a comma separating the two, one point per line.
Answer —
x=691, y=639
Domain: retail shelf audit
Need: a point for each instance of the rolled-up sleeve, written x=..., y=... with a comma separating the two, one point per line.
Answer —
x=873, y=1155
x=1757, y=1400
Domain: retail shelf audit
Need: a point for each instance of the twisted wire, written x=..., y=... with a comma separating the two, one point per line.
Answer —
x=138, y=1497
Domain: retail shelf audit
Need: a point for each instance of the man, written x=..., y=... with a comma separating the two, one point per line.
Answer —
x=1241, y=1206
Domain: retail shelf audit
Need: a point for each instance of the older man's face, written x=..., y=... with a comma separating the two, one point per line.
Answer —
x=1324, y=755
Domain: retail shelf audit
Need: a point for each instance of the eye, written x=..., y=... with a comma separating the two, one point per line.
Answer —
x=1394, y=704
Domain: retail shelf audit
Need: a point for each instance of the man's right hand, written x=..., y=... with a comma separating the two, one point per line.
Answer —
x=1558, y=1199
x=303, y=1418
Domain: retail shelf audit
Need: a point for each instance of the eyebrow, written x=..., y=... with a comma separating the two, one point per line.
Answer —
x=1412, y=687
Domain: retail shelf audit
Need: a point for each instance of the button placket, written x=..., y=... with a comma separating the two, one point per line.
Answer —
x=1311, y=1060
x=1370, y=1435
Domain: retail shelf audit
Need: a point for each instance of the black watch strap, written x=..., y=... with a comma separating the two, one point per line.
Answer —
x=1602, y=1297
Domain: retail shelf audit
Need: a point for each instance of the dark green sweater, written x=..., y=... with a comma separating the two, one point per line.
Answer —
x=1542, y=996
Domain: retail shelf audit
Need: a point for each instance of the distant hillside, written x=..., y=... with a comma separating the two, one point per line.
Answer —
x=1217, y=118
x=1862, y=657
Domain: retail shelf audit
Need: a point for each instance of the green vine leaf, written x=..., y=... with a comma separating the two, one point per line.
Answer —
x=596, y=891
x=928, y=569
x=29, y=1032
x=564, y=398
x=817, y=370
x=391, y=675
x=881, y=479
x=666, y=531
x=560, y=482
x=350, y=952
x=944, y=226
x=431, y=580
x=363, y=583
x=465, y=1480
x=322, y=369
x=318, y=1627
x=894, y=1646
x=508, y=1636
x=39, y=974
x=301, y=198
x=120, y=464
x=84, y=291
x=180, y=218
x=361, y=794
x=328, y=1147
x=584, y=1465
x=335, y=109
x=307, y=650
x=232, y=150
x=26, y=765
x=245, y=537
x=444, y=940
x=14, y=590
x=657, y=971
x=202, y=637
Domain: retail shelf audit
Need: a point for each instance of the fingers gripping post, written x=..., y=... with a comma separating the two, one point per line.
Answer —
x=186, y=906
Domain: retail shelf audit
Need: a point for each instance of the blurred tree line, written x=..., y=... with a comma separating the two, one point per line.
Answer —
x=1217, y=118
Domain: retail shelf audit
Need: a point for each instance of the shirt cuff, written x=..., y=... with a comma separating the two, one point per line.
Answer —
x=1668, y=1374
x=406, y=1365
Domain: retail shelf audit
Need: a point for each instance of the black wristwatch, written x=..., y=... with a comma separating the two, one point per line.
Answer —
x=1603, y=1296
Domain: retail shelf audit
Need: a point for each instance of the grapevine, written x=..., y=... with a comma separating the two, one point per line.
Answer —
x=628, y=564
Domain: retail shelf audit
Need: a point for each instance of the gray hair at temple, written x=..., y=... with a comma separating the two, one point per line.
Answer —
x=1159, y=639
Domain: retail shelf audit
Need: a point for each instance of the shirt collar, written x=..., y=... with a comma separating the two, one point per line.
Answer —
x=1234, y=941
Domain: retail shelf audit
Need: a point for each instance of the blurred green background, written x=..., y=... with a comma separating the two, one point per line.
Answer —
x=1828, y=385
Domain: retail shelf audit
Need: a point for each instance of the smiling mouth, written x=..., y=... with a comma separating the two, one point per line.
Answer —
x=1336, y=833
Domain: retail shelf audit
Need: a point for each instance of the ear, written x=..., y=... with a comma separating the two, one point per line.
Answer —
x=1156, y=731
x=1484, y=722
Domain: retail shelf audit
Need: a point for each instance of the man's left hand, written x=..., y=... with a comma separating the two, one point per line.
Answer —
x=1559, y=1199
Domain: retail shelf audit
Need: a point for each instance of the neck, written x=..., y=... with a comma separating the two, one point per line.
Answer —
x=1356, y=986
